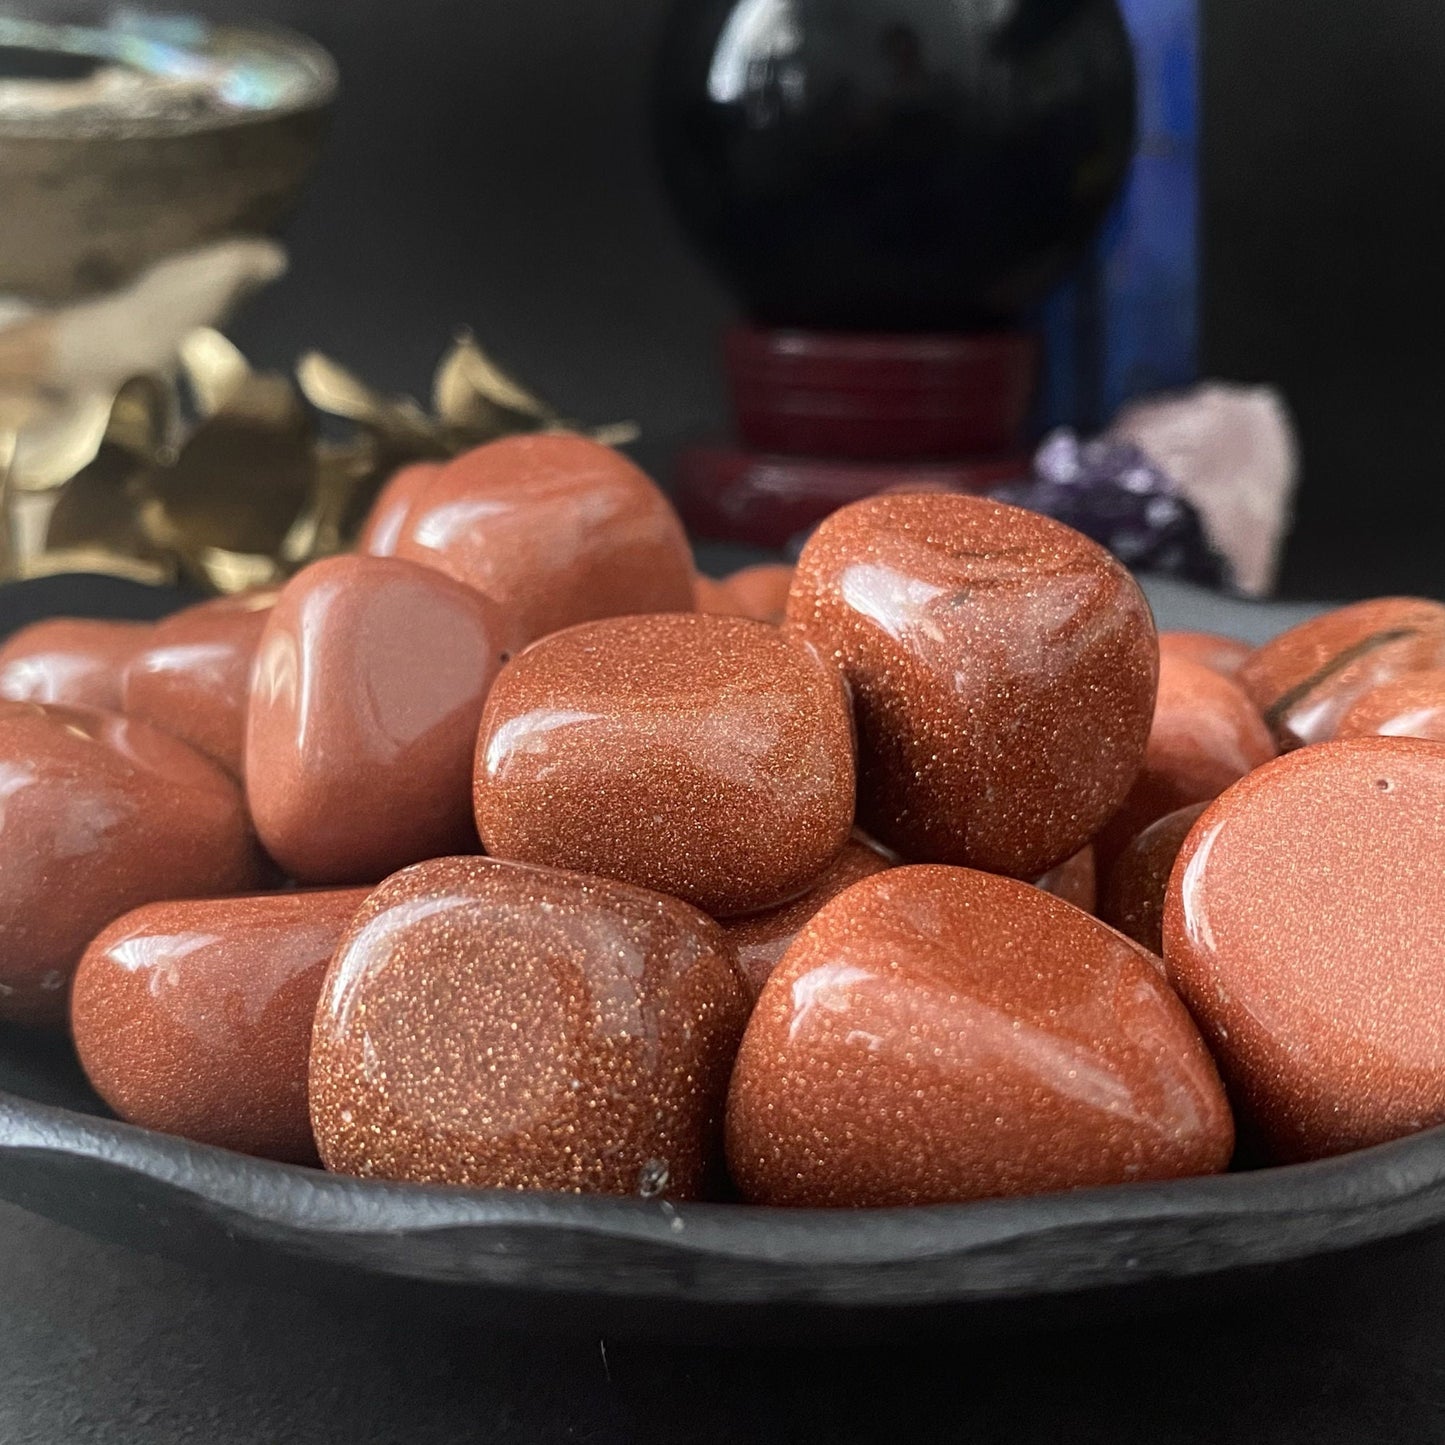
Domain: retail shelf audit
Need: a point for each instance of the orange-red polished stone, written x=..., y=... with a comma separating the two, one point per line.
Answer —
x=1210, y=649
x=706, y=757
x=1206, y=735
x=938, y=1034
x=1305, y=929
x=365, y=700
x=761, y=939
x=556, y=529
x=193, y=675
x=70, y=660
x=1412, y=706
x=195, y=1017
x=1075, y=880
x=495, y=1025
x=392, y=509
x=1002, y=668
x=99, y=814
x=1133, y=900
x=1307, y=679
x=759, y=592
x=710, y=594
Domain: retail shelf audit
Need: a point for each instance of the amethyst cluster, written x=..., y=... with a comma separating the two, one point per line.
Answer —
x=1112, y=491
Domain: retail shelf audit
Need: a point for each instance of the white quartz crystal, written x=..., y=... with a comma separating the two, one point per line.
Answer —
x=1233, y=453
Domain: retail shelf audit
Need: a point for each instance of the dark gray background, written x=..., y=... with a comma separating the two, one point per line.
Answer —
x=490, y=165
x=114, y=1349
x=1323, y=216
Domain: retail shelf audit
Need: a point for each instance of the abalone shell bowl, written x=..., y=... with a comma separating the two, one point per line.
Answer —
x=96, y=192
x=557, y=1262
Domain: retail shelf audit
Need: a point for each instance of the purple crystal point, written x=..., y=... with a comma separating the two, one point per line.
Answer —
x=1110, y=490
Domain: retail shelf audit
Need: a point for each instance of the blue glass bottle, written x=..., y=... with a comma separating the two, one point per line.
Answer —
x=1127, y=323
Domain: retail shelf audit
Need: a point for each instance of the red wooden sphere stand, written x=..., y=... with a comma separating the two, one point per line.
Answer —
x=825, y=418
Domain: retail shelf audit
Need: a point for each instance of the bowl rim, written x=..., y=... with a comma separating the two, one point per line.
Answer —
x=739, y=1253
x=319, y=87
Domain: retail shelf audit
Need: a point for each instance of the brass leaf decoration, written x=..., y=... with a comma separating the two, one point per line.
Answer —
x=475, y=398
x=330, y=388
x=96, y=516
x=252, y=491
x=245, y=473
x=215, y=368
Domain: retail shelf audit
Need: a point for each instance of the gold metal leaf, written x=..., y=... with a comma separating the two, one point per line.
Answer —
x=326, y=526
x=472, y=393
x=215, y=368
x=245, y=474
x=143, y=418
x=231, y=572
x=96, y=510
x=329, y=387
x=252, y=494
x=59, y=435
x=8, y=560
x=619, y=434
x=332, y=389
x=153, y=571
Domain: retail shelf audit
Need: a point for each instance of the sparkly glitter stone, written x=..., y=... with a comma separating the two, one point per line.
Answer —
x=365, y=701
x=1307, y=679
x=1305, y=929
x=1225, y=655
x=193, y=675
x=1412, y=706
x=938, y=1034
x=195, y=1017
x=496, y=1025
x=761, y=939
x=707, y=757
x=70, y=660
x=1002, y=669
x=1133, y=895
x=555, y=529
x=1206, y=735
x=99, y=814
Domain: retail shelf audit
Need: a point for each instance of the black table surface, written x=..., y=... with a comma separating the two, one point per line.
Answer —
x=102, y=1347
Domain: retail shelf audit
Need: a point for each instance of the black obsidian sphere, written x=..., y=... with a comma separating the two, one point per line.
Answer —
x=893, y=165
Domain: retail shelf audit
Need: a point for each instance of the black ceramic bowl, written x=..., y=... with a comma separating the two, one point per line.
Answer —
x=628, y=1266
